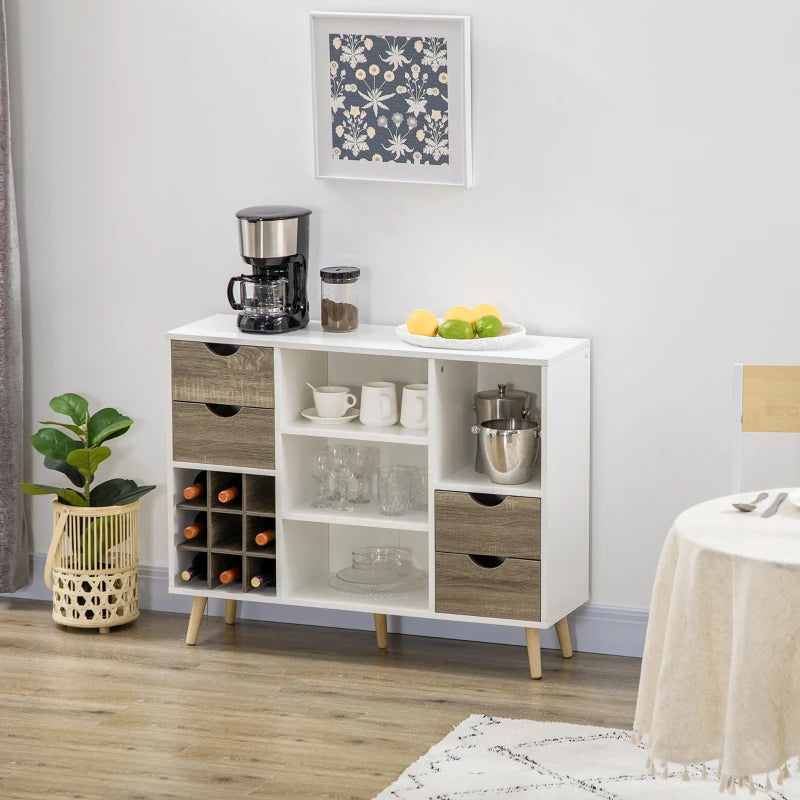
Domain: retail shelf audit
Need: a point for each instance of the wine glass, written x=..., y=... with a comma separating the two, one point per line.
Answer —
x=320, y=471
x=342, y=469
x=362, y=460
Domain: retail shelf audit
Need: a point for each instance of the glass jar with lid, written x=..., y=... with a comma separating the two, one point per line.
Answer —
x=339, y=298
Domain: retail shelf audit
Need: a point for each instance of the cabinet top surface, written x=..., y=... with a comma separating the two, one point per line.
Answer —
x=373, y=340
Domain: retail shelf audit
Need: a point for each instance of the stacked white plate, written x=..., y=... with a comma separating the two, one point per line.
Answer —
x=389, y=573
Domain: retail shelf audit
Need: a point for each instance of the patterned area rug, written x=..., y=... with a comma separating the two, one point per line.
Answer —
x=489, y=757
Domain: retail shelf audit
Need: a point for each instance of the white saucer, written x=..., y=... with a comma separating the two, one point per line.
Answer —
x=794, y=498
x=349, y=416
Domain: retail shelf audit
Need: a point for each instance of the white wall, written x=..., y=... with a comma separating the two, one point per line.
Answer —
x=636, y=183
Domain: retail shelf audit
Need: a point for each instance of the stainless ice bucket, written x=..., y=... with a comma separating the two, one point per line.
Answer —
x=500, y=403
x=509, y=448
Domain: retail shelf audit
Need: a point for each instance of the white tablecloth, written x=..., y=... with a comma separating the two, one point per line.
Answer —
x=721, y=670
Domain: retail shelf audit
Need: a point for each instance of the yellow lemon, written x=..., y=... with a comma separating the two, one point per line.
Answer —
x=422, y=323
x=483, y=310
x=458, y=312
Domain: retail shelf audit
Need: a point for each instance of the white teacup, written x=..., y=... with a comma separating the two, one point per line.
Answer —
x=379, y=404
x=333, y=401
x=414, y=413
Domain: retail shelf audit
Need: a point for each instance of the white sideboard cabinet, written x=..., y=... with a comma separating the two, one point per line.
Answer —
x=512, y=555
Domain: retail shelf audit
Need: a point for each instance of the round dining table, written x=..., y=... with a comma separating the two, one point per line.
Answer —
x=720, y=677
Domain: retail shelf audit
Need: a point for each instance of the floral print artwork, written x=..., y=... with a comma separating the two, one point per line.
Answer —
x=389, y=99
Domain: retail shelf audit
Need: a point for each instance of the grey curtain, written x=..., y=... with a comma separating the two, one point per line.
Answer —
x=14, y=569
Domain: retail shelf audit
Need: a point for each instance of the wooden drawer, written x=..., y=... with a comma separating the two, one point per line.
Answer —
x=246, y=439
x=466, y=525
x=509, y=590
x=204, y=373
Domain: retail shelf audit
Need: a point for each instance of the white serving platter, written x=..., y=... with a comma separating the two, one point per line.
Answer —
x=510, y=334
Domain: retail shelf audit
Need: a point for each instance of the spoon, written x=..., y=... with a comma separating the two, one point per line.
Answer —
x=313, y=388
x=750, y=506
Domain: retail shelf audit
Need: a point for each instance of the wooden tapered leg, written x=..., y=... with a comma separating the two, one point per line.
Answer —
x=562, y=631
x=195, y=618
x=230, y=612
x=534, y=652
x=380, y=631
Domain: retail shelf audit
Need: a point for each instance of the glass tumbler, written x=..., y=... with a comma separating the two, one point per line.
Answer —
x=394, y=490
x=419, y=494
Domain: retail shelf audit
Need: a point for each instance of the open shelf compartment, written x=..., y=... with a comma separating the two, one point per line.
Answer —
x=312, y=553
x=299, y=488
x=453, y=386
x=300, y=367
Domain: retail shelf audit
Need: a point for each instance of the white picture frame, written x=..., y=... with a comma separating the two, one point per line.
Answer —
x=420, y=70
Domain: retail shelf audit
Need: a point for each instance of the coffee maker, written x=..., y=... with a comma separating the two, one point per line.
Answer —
x=273, y=240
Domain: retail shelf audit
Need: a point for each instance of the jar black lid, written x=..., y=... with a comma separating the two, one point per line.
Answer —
x=339, y=274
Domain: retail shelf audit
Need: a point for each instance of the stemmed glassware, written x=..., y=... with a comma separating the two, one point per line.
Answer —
x=321, y=472
x=362, y=460
x=341, y=465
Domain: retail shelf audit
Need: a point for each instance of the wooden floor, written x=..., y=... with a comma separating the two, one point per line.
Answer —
x=258, y=710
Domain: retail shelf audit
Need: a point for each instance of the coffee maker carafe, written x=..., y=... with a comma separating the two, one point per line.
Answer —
x=273, y=240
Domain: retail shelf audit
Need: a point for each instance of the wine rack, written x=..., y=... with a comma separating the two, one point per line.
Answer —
x=230, y=530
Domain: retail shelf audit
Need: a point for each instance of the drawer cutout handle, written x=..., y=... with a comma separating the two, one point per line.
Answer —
x=221, y=410
x=488, y=500
x=222, y=349
x=487, y=562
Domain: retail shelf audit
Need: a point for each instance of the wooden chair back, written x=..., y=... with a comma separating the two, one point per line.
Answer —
x=767, y=400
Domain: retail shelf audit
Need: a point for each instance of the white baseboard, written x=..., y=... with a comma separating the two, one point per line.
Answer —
x=613, y=630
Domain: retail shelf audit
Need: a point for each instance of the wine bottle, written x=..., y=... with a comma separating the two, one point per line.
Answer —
x=229, y=494
x=197, y=488
x=196, y=528
x=265, y=537
x=262, y=579
x=230, y=575
x=197, y=569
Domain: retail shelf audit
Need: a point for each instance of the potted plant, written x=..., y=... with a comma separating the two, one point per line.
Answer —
x=92, y=564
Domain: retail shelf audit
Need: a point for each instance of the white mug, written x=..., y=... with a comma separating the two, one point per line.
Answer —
x=414, y=413
x=333, y=401
x=379, y=404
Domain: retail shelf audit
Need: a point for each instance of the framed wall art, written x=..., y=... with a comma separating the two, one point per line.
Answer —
x=392, y=97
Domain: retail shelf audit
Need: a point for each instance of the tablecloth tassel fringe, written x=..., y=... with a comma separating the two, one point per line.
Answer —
x=685, y=772
x=768, y=784
x=751, y=784
x=785, y=770
x=636, y=738
x=723, y=783
x=732, y=786
x=779, y=778
x=665, y=773
x=648, y=764
x=704, y=773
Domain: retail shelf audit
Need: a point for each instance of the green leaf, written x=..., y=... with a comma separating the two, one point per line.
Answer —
x=108, y=492
x=135, y=494
x=73, y=428
x=117, y=492
x=107, y=423
x=73, y=405
x=62, y=466
x=88, y=460
x=68, y=496
x=53, y=443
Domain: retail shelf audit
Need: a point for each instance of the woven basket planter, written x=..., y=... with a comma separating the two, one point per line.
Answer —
x=93, y=565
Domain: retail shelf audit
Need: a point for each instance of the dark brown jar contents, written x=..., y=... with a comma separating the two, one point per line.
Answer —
x=339, y=317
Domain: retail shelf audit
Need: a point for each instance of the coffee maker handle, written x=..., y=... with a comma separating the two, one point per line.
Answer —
x=234, y=305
